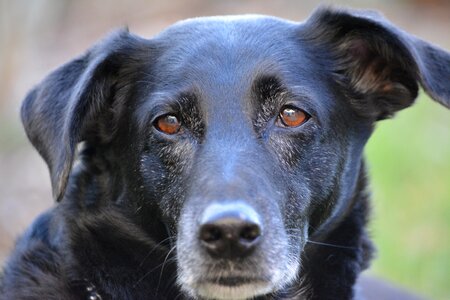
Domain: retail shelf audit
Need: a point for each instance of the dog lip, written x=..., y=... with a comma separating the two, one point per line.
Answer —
x=233, y=287
x=234, y=280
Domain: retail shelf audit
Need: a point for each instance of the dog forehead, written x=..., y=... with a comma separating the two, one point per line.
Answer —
x=217, y=25
x=221, y=59
x=218, y=43
x=223, y=53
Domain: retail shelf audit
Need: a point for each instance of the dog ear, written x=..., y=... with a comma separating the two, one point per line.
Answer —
x=378, y=64
x=67, y=106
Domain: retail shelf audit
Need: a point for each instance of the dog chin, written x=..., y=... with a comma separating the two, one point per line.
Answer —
x=214, y=291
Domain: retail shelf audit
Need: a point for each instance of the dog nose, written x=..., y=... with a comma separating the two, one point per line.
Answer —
x=230, y=230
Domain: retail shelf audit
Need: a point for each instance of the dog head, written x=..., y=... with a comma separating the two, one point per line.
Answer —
x=242, y=135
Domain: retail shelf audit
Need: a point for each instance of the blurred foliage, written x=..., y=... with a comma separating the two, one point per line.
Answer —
x=409, y=166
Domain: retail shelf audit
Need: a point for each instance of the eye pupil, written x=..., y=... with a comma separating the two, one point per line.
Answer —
x=292, y=117
x=168, y=124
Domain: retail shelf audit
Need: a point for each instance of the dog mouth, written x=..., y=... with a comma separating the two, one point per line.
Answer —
x=233, y=287
x=204, y=273
x=234, y=281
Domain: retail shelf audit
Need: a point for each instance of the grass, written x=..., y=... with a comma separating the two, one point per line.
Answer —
x=409, y=166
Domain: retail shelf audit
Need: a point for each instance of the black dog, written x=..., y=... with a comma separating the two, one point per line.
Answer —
x=212, y=161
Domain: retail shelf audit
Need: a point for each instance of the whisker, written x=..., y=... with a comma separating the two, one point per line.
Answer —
x=162, y=269
x=179, y=295
x=152, y=250
x=317, y=243
x=331, y=245
x=153, y=269
x=169, y=284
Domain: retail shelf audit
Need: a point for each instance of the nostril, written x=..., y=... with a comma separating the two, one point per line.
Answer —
x=210, y=233
x=250, y=233
x=229, y=230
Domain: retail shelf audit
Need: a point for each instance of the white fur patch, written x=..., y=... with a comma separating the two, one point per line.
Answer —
x=241, y=292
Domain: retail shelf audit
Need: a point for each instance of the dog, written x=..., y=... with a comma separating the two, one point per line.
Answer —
x=221, y=159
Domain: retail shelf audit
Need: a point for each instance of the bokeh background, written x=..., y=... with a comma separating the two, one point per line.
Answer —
x=409, y=157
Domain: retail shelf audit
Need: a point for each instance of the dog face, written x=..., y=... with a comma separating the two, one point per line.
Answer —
x=259, y=148
x=248, y=143
x=241, y=136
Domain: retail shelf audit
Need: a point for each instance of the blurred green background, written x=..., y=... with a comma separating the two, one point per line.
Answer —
x=409, y=163
x=409, y=156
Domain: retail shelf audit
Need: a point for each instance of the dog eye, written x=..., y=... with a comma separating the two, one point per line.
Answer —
x=292, y=116
x=168, y=124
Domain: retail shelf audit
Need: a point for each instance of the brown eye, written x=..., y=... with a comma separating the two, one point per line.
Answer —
x=292, y=117
x=168, y=124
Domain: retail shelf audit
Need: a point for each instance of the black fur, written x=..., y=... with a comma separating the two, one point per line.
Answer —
x=128, y=196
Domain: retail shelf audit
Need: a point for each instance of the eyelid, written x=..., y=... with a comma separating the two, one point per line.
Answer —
x=160, y=114
x=163, y=109
x=303, y=98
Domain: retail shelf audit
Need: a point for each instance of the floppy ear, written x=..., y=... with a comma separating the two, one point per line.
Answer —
x=379, y=65
x=68, y=106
